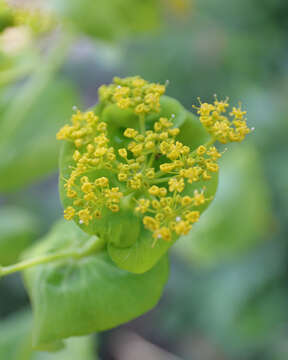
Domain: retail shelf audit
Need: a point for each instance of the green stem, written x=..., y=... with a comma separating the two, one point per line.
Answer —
x=142, y=124
x=164, y=179
x=30, y=91
x=93, y=246
x=210, y=142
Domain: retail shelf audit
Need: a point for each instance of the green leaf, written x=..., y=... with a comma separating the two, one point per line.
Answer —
x=15, y=342
x=192, y=132
x=75, y=297
x=112, y=114
x=18, y=228
x=32, y=151
x=118, y=119
x=109, y=20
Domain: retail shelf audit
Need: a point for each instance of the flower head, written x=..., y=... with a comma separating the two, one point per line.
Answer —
x=133, y=92
x=152, y=171
x=219, y=125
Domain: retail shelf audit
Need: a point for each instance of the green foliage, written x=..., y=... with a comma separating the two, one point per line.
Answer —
x=111, y=19
x=117, y=119
x=31, y=152
x=73, y=297
x=6, y=17
x=18, y=228
x=15, y=342
x=142, y=255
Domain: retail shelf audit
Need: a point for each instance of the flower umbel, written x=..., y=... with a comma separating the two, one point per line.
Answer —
x=151, y=170
x=133, y=92
x=223, y=129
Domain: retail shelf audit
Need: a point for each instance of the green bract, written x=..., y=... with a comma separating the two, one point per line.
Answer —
x=130, y=245
x=214, y=239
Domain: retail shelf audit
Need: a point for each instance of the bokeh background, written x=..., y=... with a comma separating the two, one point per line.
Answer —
x=227, y=297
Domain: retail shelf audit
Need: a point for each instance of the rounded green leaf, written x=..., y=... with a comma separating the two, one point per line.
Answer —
x=192, y=133
x=75, y=297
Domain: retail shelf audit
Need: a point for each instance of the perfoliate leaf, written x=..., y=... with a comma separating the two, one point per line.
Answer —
x=74, y=297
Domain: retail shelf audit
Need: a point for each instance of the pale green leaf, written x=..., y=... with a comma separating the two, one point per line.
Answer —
x=75, y=297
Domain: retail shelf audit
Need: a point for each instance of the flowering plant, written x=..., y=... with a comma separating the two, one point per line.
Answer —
x=136, y=172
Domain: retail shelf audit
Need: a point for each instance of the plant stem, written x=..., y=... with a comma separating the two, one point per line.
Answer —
x=210, y=142
x=93, y=246
x=142, y=124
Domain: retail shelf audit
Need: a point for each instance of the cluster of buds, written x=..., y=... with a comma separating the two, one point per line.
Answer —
x=220, y=126
x=134, y=93
x=152, y=170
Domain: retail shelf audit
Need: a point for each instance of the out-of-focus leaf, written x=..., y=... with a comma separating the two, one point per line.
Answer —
x=109, y=19
x=238, y=218
x=32, y=151
x=243, y=304
x=75, y=297
x=6, y=16
x=18, y=228
x=15, y=342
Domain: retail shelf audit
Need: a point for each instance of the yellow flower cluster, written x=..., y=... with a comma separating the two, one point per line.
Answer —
x=136, y=168
x=220, y=126
x=170, y=215
x=133, y=92
x=89, y=136
x=152, y=169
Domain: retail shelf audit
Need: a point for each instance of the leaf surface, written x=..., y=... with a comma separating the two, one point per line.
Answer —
x=73, y=297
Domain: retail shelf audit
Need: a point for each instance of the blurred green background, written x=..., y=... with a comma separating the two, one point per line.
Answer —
x=227, y=296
